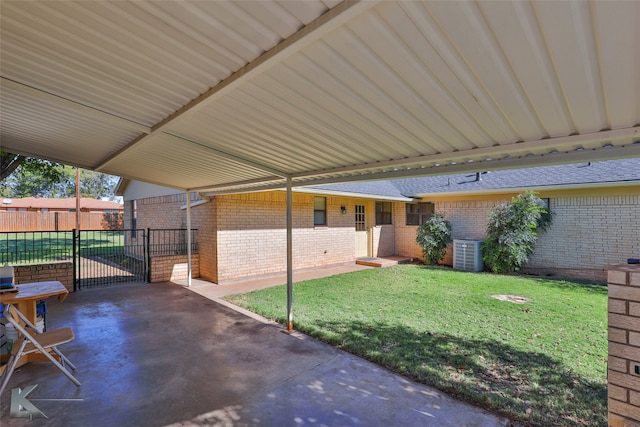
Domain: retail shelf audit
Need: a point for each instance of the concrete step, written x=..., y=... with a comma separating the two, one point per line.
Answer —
x=383, y=261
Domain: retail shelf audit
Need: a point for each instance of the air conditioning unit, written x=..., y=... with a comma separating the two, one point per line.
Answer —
x=467, y=255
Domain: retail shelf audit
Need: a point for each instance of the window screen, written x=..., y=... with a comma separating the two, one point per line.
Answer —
x=419, y=213
x=383, y=213
x=319, y=211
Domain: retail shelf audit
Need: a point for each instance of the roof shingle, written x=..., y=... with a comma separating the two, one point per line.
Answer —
x=582, y=174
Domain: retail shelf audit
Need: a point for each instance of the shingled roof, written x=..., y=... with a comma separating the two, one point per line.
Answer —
x=539, y=178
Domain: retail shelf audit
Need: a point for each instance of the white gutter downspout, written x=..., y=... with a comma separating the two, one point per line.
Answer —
x=289, y=256
x=188, y=238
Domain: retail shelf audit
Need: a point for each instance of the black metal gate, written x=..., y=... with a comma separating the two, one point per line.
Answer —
x=102, y=258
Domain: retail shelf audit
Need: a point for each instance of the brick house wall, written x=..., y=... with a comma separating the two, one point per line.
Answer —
x=384, y=240
x=591, y=229
x=252, y=234
x=173, y=267
x=244, y=235
x=204, y=219
x=154, y=212
x=405, y=234
x=468, y=219
x=588, y=233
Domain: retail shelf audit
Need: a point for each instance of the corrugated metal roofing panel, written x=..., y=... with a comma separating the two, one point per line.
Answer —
x=141, y=60
x=322, y=90
x=44, y=125
x=188, y=165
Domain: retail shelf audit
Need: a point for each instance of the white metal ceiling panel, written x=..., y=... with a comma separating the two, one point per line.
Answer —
x=571, y=43
x=231, y=94
x=138, y=60
x=188, y=165
x=43, y=125
x=523, y=45
x=618, y=40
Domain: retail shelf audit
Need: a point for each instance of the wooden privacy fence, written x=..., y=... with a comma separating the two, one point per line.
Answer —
x=59, y=221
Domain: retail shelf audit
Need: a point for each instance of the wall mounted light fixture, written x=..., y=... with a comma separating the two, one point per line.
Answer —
x=343, y=209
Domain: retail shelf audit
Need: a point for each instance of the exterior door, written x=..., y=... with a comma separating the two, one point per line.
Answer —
x=362, y=238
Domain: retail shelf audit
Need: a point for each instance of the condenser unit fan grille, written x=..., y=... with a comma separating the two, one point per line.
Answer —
x=467, y=255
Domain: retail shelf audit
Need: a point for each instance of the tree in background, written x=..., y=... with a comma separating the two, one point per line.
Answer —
x=433, y=237
x=512, y=232
x=22, y=176
x=27, y=174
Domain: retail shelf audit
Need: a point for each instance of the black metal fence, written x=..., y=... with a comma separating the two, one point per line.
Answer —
x=100, y=257
x=170, y=241
x=103, y=259
x=35, y=247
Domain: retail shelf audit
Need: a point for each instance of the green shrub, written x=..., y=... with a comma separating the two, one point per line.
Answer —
x=433, y=237
x=512, y=232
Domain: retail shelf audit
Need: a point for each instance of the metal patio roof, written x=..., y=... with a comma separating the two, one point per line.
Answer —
x=225, y=96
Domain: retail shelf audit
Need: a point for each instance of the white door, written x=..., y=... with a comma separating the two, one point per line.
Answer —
x=361, y=233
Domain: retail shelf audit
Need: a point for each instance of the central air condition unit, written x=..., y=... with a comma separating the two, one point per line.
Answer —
x=467, y=255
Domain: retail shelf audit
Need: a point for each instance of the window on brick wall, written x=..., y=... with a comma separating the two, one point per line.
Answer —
x=383, y=213
x=546, y=204
x=419, y=213
x=319, y=211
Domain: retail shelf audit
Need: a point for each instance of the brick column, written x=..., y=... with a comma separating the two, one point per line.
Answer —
x=624, y=345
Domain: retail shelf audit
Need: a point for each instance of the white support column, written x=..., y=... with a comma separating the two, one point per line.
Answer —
x=289, y=256
x=188, y=238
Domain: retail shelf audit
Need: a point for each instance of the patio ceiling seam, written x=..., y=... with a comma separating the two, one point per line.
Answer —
x=633, y=150
x=292, y=44
x=549, y=145
x=76, y=106
x=229, y=156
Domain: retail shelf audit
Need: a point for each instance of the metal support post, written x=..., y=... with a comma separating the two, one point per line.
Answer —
x=289, y=256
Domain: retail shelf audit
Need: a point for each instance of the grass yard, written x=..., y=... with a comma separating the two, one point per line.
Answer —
x=540, y=363
x=45, y=246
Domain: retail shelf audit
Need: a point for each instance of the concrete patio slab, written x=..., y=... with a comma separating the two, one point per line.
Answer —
x=159, y=355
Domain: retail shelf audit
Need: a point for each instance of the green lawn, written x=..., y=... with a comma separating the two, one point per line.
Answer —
x=540, y=363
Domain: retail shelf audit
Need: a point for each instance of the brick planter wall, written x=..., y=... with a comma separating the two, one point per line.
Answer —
x=624, y=345
x=60, y=270
x=174, y=267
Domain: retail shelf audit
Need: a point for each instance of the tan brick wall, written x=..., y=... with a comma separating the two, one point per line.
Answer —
x=589, y=231
x=252, y=234
x=384, y=240
x=165, y=212
x=245, y=235
x=203, y=218
x=174, y=267
x=624, y=345
x=61, y=271
x=405, y=234
x=468, y=220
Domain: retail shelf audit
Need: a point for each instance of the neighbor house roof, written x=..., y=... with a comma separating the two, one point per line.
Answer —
x=613, y=172
x=53, y=203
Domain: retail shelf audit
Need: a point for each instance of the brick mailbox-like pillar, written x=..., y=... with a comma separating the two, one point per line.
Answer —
x=624, y=345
